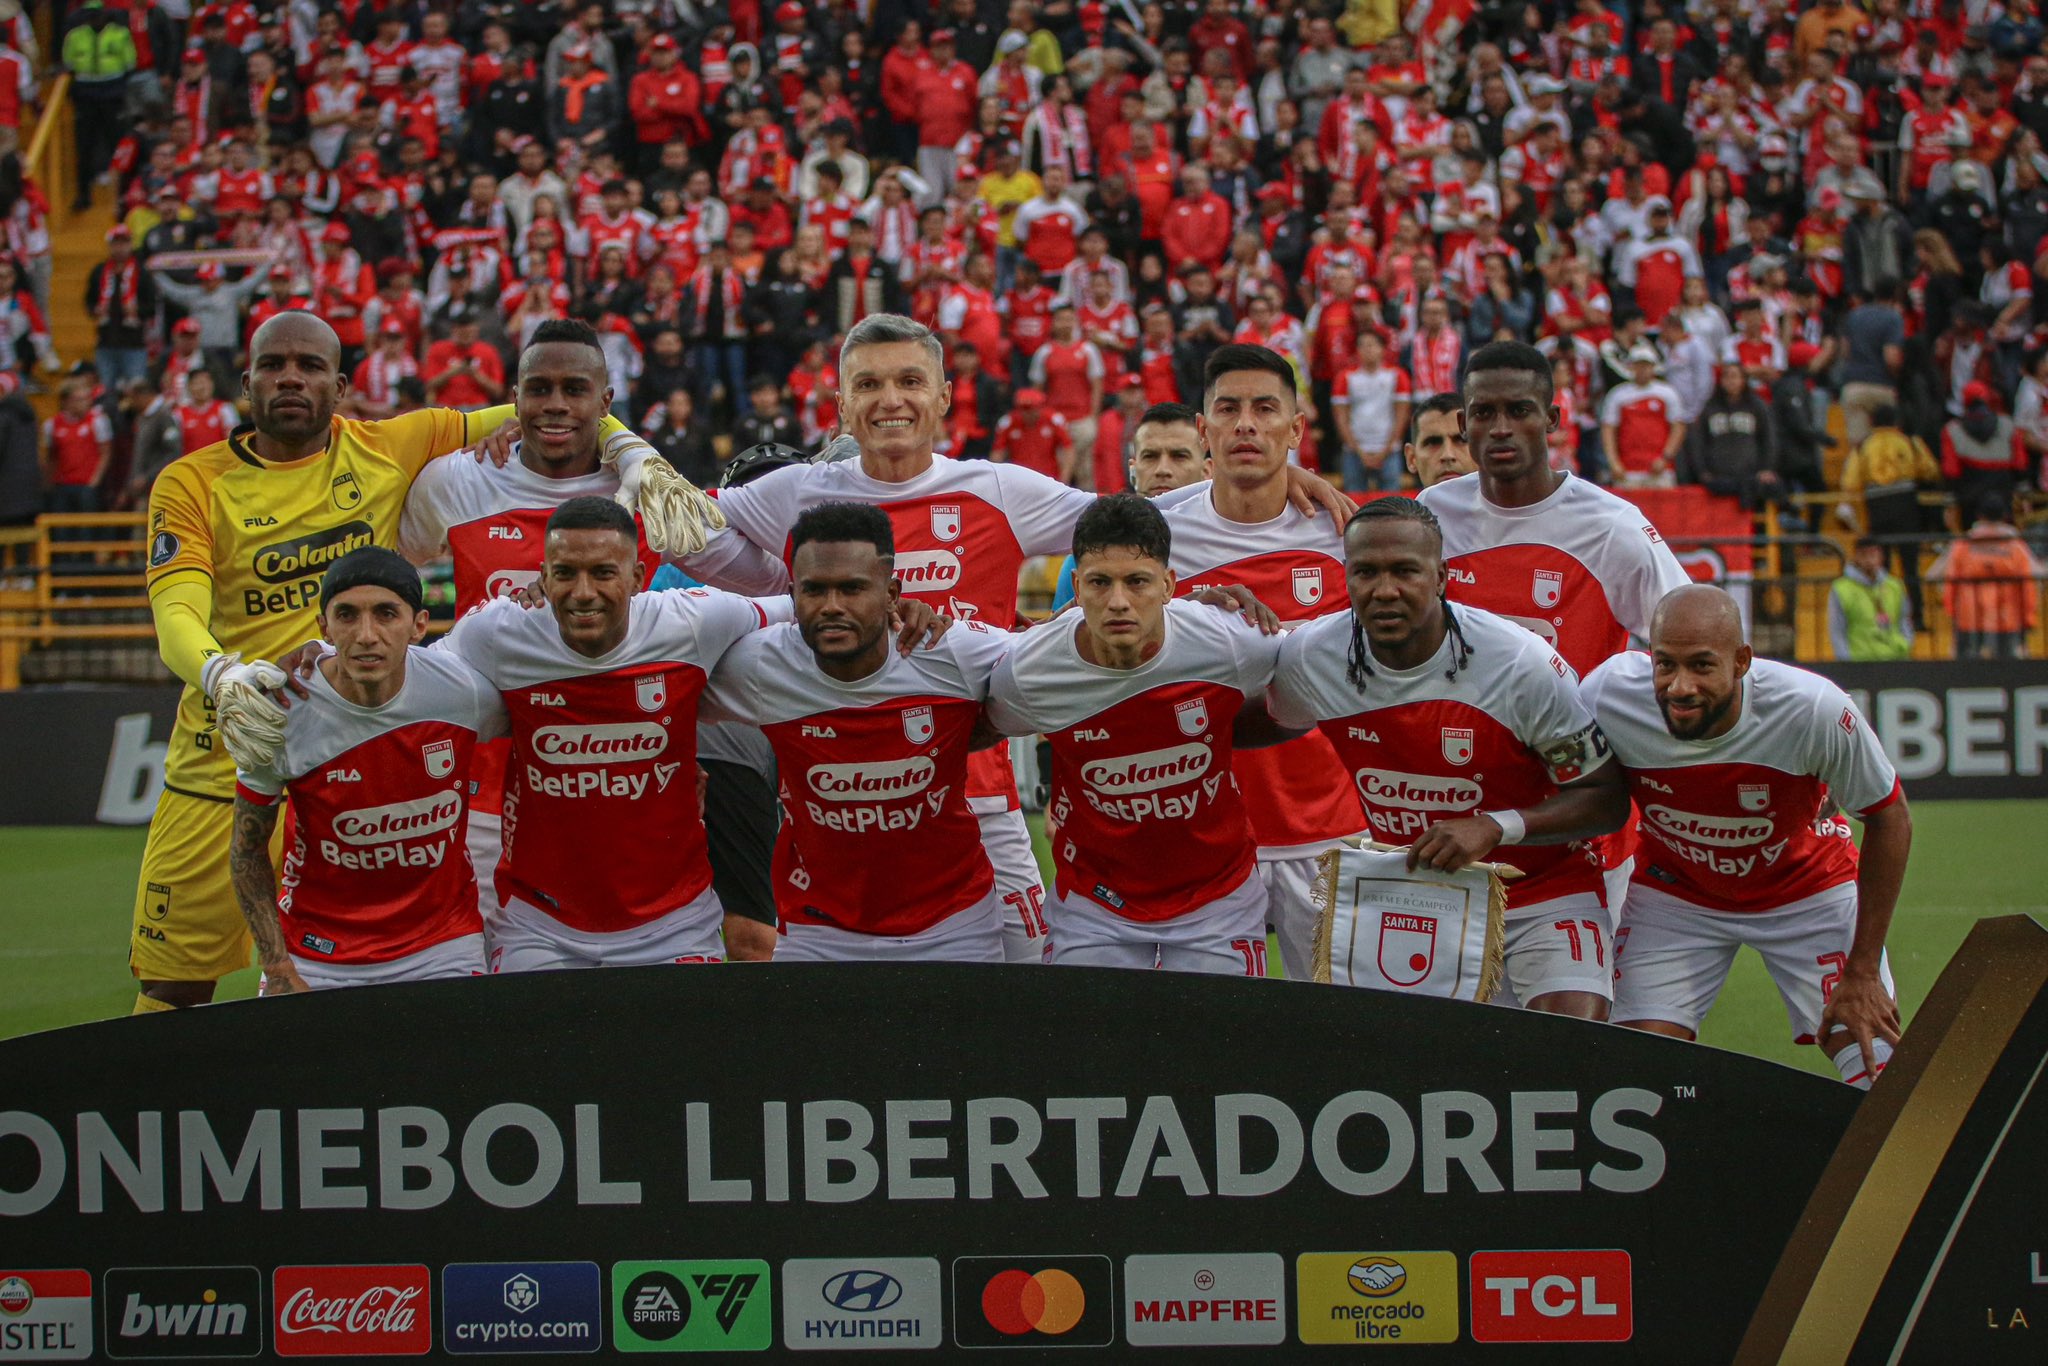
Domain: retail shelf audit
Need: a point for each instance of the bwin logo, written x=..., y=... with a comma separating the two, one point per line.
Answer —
x=863, y=1292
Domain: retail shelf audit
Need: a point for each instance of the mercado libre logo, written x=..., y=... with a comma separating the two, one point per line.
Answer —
x=1033, y=1302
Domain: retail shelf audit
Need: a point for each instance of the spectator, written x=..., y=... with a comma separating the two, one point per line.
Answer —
x=667, y=103
x=1800, y=438
x=462, y=371
x=766, y=423
x=153, y=437
x=1875, y=332
x=1070, y=370
x=717, y=329
x=78, y=443
x=202, y=419
x=1877, y=242
x=1889, y=469
x=121, y=297
x=1730, y=449
x=978, y=401
x=1869, y=616
x=1640, y=431
x=1990, y=585
x=683, y=438
x=1371, y=402
x=1983, y=455
x=1690, y=366
x=98, y=50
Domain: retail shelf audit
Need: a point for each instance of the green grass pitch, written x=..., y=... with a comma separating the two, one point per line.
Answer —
x=67, y=894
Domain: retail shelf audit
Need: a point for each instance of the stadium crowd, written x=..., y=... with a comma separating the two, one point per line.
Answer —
x=1718, y=218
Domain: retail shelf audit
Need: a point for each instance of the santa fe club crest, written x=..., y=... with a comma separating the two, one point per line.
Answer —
x=1407, y=947
x=1753, y=796
x=1192, y=716
x=917, y=724
x=946, y=521
x=651, y=691
x=1308, y=586
x=440, y=757
x=1548, y=588
x=1458, y=744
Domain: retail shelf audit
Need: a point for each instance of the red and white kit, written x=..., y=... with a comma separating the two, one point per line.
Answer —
x=1421, y=747
x=604, y=755
x=1156, y=864
x=1301, y=802
x=492, y=520
x=1743, y=843
x=879, y=857
x=963, y=530
x=1583, y=569
x=377, y=885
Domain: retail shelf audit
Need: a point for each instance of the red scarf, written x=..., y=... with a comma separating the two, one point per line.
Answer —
x=1436, y=362
x=118, y=285
x=381, y=375
x=193, y=102
x=1061, y=133
x=578, y=87
x=700, y=293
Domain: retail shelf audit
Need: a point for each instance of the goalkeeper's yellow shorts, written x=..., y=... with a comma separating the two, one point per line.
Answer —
x=187, y=925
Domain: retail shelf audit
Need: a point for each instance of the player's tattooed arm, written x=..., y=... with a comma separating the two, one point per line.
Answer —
x=256, y=890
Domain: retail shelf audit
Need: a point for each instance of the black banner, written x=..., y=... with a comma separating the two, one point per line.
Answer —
x=1055, y=1165
x=1957, y=729
x=76, y=756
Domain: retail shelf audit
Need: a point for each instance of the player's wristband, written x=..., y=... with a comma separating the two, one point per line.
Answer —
x=1512, y=826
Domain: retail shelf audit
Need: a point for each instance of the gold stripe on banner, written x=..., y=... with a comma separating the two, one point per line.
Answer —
x=1829, y=1276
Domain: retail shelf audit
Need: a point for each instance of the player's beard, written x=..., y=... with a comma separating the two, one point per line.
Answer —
x=294, y=425
x=1709, y=717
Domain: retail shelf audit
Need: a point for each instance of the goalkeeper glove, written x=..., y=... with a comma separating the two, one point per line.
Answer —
x=677, y=516
x=249, y=722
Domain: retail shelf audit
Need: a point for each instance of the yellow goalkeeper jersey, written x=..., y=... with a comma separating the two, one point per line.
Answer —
x=263, y=533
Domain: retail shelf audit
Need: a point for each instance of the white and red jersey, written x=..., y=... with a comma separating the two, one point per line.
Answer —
x=1033, y=441
x=831, y=216
x=377, y=376
x=492, y=522
x=1537, y=175
x=1300, y=799
x=375, y=866
x=205, y=424
x=1582, y=568
x=1366, y=398
x=1658, y=269
x=387, y=65
x=604, y=754
x=873, y=777
x=1420, y=746
x=1145, y=818
x=632, y=230
x=1049, y=232
x=963, y=530
x=1642, y=416
x=1737, y=823
x=1071, y=374
x=1924, y=137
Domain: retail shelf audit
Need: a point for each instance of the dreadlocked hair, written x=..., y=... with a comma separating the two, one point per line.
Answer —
x=1358, y=661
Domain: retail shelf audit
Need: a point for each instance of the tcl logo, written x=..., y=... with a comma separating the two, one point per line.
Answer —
x=339, y=1311
x=1551, y=1297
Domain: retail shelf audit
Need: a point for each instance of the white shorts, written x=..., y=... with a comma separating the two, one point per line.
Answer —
x=974, y=935
x=1227, y=937
x=459, y=957
x=528, y=939
x=1561, y=945
x=1291, y=909
x=1617, y=880
x=1672, y=957
x=1019, y=888
x=486, y=843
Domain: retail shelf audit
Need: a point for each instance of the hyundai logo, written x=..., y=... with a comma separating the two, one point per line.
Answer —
x=863, y=1292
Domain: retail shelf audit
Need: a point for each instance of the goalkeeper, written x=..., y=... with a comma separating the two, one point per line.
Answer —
x=240, y=535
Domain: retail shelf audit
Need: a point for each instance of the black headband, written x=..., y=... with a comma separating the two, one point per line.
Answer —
x=375, y=567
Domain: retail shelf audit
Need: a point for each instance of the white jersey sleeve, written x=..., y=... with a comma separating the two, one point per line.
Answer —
x=1042, y=511
x=424, y=521
x=733, y=562
x=1850, y=760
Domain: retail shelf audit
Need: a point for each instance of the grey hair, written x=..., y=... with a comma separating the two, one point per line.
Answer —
x=878, y=329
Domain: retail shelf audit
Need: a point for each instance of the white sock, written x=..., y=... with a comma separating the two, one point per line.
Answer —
x=1849, y=1062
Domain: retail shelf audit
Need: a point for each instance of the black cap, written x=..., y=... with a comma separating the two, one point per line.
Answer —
x=375, y=567
x=755, y=461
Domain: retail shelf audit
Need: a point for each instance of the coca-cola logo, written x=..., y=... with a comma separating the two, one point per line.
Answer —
x=873, y=782
x=505, y=582
x=927, y=571
x=352, y=1310
x=1155, y=768
x=629, y=740
x=1417, y=791
x=1724, y=832
x=400, y=820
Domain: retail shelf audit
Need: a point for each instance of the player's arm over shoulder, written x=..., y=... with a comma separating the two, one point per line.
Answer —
x=477, y=632
x=411, y=440
x=975, y=649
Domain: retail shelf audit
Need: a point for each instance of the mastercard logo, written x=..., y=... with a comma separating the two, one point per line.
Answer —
x=1051, y=1302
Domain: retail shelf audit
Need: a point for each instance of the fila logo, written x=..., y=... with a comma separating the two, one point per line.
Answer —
x=259, y=521
x=506, y=533
x=1464, y=576
x=1090, y=733
x=343, y=775
x=1655, y=786
x=820, y=733
x=1371, y=737
x=545, y=699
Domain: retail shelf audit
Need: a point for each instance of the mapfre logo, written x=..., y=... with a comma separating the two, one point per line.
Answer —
x=873, y=782
x=1147, y=772
x=927, y=571
x=628, y=740
x=346, y=1311
x=1563, y=1296
x=1722, y=832
x=400, y=820
x=1417, y=791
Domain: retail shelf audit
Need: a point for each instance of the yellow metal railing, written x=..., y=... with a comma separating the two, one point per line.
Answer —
x=50, y=156
x=70, y=565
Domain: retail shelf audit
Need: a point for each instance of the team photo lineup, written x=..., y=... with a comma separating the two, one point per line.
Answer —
x=743, y=369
